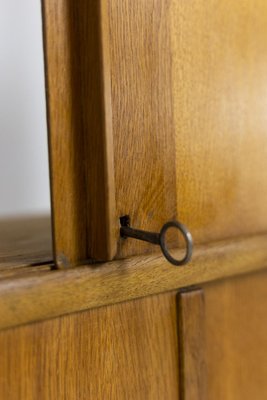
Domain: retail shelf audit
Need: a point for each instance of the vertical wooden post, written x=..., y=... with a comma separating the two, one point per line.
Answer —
x=80, y=130
x=192, y=368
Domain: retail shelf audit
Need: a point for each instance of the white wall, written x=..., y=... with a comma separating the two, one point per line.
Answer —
x=24, y=183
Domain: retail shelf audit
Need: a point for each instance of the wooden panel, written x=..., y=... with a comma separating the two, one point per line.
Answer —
x=190, y=77
x=37, y=296
x=127, y=351
x=219, y=103
x=25, y=241
x=192, y=346
x=236, y=335
x=80, y=131
x=78, y=38
x=196, y=72
x=143, y=129
x=179, y=88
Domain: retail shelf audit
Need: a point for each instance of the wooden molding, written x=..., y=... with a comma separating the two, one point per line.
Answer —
x=47, y=294
x=80, y=130
x=192, y=345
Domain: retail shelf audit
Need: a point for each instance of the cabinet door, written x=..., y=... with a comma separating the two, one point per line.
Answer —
x=236, y=338
x=124, y=351
x=223, y=337
x=157, y=110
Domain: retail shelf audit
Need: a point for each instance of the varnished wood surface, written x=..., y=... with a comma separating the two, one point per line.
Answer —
x=220, y=114
x=24, y=241
x=188, y=100
x=236, y=338
x=126, y=351
x=80, y=130
x=93, y=73
x=156, y=110
x=37, y=296
x=143, y=127
x=192, y=345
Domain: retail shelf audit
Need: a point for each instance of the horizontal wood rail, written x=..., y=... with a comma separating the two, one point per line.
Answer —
x=36, y=296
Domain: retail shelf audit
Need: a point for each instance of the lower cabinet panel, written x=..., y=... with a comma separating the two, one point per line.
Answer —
x=126, y=351
x=236, y=338
x=130, y=350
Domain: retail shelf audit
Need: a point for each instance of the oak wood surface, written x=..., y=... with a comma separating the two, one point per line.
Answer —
x=37, y=296
x=143, y=128
x=189, y=116
x=80, y=130
x=220, y=115
x=236, y=338
x=24, y=241
x=126, y=351
x=156, y=110
x=192, y=345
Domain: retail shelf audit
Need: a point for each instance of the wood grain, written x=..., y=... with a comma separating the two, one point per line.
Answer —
x=34, y=296
x=192, y=345
x=126, y=351
x=156, y=110
x=25, y=241
x=220, y=114
x=189, y=116
x=80, y=130
x=236, y=338
x=143, y=128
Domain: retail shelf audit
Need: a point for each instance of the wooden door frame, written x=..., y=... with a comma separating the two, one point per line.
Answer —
x=80, y=130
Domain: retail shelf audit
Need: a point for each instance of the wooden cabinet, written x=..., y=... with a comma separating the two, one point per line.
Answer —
x=191, y=344
x=165, y=103
x=156, y=110
x=124, y=351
